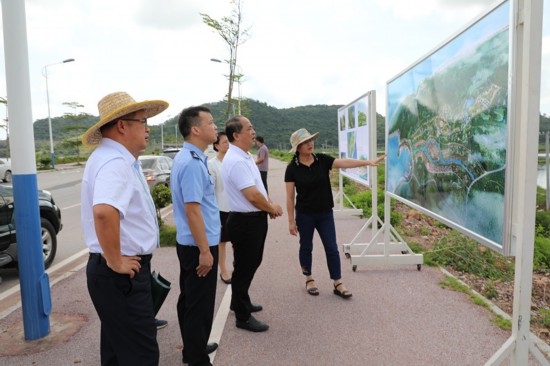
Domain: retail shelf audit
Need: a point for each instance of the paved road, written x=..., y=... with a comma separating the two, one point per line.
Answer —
x=397, y=316
x=64, y=184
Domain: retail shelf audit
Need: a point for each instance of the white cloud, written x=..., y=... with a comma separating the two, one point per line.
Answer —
x=299, y=52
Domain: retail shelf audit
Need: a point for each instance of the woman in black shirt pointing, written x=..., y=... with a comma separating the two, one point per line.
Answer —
x=309, y=194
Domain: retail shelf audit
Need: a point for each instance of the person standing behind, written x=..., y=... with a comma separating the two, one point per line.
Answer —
x=262, y=160
x=197, y=218
x=308, y=175
x=120, y=229
x=247, y=222
x=215, y=167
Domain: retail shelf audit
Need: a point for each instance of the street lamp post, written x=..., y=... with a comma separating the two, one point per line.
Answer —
x=45, y=74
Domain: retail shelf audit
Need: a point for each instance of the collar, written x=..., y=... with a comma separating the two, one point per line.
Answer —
x=239, y=151
x=196, y=150
x=297, y=161
x=110, y=143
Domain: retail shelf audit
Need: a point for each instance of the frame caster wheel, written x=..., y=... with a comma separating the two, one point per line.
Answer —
x=419, y=267
x=348, y=256
x=354, y=268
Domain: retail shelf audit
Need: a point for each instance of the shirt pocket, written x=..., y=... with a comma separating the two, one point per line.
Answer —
x=210, y=187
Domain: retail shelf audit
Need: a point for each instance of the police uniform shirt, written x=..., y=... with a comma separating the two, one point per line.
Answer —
x=111, y=178
x=190, y=181
x=239, y=171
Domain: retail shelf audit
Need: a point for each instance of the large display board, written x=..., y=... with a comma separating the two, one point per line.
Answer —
x=447, y=131
x=355, y=132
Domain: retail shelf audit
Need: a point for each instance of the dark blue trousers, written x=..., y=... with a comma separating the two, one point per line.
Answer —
x=323, y=222
x=196, y=303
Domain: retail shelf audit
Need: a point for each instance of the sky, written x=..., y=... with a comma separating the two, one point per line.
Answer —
x=298, y=53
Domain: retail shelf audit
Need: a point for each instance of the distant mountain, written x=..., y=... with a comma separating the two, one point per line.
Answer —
x=275, y=125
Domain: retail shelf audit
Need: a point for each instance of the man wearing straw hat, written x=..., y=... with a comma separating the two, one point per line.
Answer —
x=120, y=229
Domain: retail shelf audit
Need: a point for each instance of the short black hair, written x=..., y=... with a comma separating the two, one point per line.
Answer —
x=260, y=138
x=189, y=117
x=233, y=125
x=217, y=142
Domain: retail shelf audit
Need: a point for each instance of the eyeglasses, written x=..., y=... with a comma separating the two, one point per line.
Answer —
x=142, y=120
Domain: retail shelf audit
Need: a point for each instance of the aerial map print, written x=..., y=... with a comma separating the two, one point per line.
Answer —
x=447, y=129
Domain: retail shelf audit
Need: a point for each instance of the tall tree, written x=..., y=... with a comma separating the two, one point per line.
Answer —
x=75, y=115
x=231, y=31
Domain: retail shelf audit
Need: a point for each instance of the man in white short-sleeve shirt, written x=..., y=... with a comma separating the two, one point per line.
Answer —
x=120, y=229
x=247, y=222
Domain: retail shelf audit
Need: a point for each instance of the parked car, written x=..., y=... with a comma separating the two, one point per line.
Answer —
x=50, y=222
x=156, y=170
x=5, y=170
x=171, y=152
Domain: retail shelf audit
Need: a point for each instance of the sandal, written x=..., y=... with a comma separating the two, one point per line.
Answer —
x=313, y=291
x=346, y=294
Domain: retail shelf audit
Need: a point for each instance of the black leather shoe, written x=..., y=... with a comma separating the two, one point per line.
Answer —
x=210, y=347
x=254, y=308
x=252, y=324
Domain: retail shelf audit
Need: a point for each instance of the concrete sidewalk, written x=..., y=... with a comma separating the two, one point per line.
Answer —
x=397, y=315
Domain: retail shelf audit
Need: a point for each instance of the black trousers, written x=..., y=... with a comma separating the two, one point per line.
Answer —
x=247, y=232
x=264, y=179
x=125, y=308
x=196, y=303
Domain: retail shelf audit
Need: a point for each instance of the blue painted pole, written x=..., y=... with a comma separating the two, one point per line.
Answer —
x=35, y=289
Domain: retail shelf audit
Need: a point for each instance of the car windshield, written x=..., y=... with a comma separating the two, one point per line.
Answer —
x=147, y=163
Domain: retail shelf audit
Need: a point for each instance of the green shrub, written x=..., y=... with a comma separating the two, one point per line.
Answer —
x=545, y=317
x=281, y=155
x=45, y=161
x=162, y=198
x=542, y=219
x=466, y=255
x=541, y=258
x=490, y=292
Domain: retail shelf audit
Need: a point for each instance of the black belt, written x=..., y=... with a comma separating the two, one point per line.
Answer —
x=145, y=258
x=250, y=214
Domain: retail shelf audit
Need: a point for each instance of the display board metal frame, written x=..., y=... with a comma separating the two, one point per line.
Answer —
x=526, y=35
x=441, y=204
x=525, y=40
x=343, y=121
x=385, y=246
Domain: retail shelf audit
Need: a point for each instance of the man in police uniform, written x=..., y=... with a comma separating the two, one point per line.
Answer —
x=247, y=222
x=197, y=218
x=120, y=228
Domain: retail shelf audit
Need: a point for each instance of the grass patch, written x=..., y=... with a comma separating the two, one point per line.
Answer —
x=545, y=317
x=501, y=322
x=167, y=236
x=453, y=284
x=466, y=255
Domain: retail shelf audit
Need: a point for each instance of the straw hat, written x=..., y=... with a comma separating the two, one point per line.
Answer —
x=116, y=105
x=301, y=136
